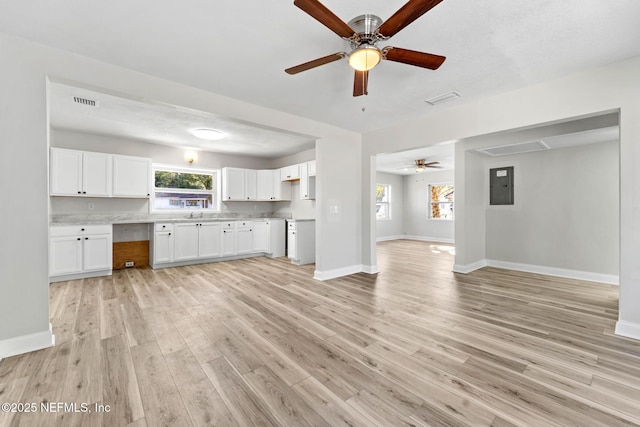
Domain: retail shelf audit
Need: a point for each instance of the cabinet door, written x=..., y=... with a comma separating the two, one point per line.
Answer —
x=261, y=236
x=209, y=240
x=97, y=252
x=232, y=184
x=312, y=168
x=289, y=173
x=65, y=255
x=66, y=172
x=131, y=176
x=250, y=184
x=185, y=242
x=292, y=247
x=304, y=181
x=307, y=183
x=163, y=247
x=96, y=174
x=228, y=242
x=244, y=240
x=265, y=185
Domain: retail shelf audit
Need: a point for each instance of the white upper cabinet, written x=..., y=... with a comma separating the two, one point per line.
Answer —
x=78, y=173
x=89, y=174
x=307, y=183
x=289, y=173
x=233, y=184
x=131, y=176
x=96, y=174
x=250, y=184
x=265, y=185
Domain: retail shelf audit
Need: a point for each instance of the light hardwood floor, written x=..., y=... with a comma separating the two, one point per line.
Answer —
x=259, y=342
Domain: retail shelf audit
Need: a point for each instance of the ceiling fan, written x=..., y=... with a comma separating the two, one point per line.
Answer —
x=363, y=33
x=421, y=165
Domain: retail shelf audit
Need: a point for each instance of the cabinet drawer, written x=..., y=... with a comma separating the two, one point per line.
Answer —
x=74, y=230
x=244, y=224
x=164, y=227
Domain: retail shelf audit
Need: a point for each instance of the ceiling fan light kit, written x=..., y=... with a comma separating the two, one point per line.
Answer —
x=363, y=33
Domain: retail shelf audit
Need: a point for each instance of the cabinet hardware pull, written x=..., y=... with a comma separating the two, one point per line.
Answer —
x=79, y=192
x=82, y=229
x=86, y=238
x=84, y=192
x=79, y=238
x=169, y=234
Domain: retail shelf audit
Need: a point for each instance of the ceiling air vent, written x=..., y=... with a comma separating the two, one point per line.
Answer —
x=522, y=147
x=443, y=98
x=85, y=101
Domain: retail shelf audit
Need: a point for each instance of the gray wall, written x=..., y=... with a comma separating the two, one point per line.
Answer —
x=417, y=225
x=392, y=228
x=566, y=210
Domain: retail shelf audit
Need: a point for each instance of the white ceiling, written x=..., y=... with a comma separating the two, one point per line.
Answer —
x=240, y=48
x=166, y=124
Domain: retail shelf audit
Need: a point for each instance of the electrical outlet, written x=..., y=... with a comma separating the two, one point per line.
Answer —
x=91, y=206
x=128, y=264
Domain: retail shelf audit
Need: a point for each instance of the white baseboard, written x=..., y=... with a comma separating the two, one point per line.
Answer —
x=558, y=272
x=386, y=238
x=27, y=343
x=370, y=269
x=466, y=269
x=345, y=271
x=429, y=239
x=628, y=329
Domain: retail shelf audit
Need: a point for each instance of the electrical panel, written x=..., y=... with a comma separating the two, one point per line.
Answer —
x=501, y=186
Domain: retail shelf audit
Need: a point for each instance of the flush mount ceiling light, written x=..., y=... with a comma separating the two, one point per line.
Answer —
x=208, y=134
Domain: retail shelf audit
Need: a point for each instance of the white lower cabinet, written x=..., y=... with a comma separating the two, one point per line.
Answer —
x=181, y=242
x=80, y=251
x=228, y=238
x=261, y=236
x=163, y=243
x=209, y=240
x=244, y=237
x=196, y=240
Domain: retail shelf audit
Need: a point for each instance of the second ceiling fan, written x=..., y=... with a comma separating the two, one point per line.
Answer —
x=363, y=33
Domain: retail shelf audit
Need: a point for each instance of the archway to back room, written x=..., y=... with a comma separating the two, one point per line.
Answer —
x=415, y=207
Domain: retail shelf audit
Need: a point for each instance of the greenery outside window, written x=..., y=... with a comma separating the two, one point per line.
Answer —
x=441, y=201
x=383, y=201
x=178, y=188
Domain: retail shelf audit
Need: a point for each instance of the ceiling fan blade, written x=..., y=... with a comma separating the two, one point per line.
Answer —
x=315, y=63
x=412, y=57
x=327, y=18
x=408, y=13
x=360, y=83
x=431, y=164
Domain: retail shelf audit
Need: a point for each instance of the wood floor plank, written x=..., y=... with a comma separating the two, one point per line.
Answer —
x=120, y=382
x=247, y=408
x=161, y=399
x=203, y=402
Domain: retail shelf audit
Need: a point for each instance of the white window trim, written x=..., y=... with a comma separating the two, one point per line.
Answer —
x=216, y=192
x=388, y=218
x=429, y=202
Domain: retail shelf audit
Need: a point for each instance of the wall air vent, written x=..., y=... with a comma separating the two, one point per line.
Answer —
x=443, y=98
x=85, y=101
x=505, y=150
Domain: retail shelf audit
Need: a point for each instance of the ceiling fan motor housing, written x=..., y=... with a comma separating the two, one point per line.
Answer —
x=365, y=27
